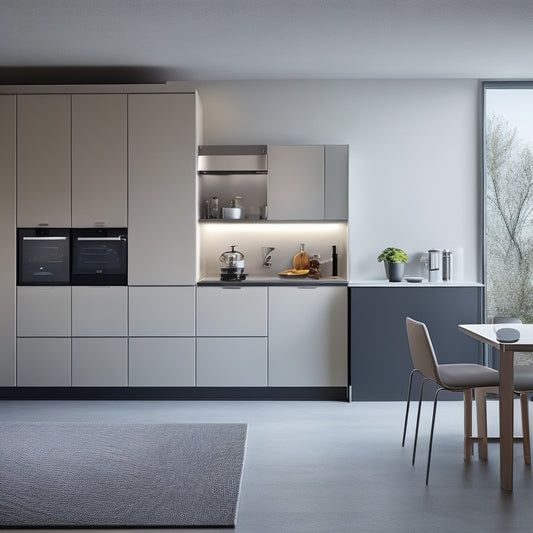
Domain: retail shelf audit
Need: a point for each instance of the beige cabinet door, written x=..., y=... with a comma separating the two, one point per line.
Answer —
x=43, y=160
x=43, y=311
x=7, y=238
x=295, y=188
x=161, y=311
x=99, y=311
x=162, y=362
x=99, y=160
x=232, y=362
x=100, y=362
x=162, y=189
x=336, y=181
x=232, y=311
x=44, y=362
x=307, y=340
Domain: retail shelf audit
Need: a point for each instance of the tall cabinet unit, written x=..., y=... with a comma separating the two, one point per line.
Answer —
x=7, y=238
x=162, y=239
x=43, y=160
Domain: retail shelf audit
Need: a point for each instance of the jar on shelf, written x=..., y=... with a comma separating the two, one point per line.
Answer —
x=314, y=267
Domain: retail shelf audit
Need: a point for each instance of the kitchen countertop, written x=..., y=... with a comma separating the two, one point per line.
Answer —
x=273, y=280
x=424, y=283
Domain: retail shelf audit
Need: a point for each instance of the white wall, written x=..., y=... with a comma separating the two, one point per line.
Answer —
x=414, y=155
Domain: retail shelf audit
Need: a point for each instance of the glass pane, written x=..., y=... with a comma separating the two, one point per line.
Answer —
x=509, y=202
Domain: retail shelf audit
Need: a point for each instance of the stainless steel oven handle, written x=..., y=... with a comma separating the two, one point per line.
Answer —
x=44, y=238
x=120, y=238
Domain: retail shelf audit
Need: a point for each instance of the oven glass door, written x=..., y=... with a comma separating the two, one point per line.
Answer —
x=99, y=256
x=43, y=256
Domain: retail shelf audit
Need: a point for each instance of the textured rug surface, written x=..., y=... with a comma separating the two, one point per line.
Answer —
x=106, y=475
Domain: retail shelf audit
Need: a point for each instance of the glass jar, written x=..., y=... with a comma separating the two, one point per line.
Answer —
x=314, y=267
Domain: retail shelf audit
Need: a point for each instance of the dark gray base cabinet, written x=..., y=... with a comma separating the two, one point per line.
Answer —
x=380, y=359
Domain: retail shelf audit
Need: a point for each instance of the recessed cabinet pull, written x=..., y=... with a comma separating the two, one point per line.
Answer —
x=232, y=287
x=307, y=287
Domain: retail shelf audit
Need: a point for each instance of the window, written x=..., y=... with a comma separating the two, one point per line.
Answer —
x=508, y=177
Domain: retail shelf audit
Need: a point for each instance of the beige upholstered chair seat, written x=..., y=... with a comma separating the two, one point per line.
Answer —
x=460, y=376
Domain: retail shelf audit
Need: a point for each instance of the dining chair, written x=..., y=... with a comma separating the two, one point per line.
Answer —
x=523, y=384
x=457, y=377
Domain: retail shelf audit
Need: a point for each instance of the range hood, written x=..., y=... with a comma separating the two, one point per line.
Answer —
x=232, y=159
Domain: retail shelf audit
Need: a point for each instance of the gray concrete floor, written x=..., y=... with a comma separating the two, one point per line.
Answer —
x=338, y=467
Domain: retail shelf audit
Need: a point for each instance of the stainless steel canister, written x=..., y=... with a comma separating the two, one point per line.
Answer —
x=434, y=265
x=447, y=265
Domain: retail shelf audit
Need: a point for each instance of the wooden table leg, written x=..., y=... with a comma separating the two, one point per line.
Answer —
x=506, y=420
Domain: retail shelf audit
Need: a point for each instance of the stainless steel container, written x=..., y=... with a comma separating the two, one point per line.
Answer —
x=434, y=265
x=447, y=265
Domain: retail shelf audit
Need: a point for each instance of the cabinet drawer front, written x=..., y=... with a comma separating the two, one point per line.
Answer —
x=232, y=311
x=99, y=362
x=161, y=311
x=99, y=311
x=43, y=362
x=157, y=362
x=43, y=311
x=232, y=362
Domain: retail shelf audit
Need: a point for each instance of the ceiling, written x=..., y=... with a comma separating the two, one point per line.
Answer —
x=129, y=41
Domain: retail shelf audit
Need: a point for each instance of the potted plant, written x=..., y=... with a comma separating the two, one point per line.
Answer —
x=394, y=260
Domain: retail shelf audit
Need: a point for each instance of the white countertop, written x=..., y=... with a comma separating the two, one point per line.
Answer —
x=424, y=283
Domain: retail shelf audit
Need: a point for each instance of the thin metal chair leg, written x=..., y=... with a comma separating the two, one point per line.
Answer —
x=418, y=418
x=411, y=375
x=431, y=434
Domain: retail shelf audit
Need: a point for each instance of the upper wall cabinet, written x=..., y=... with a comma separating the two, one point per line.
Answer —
x=308, y=182
x=162, y=189
x=43, y=160
x=336, y=181
x=295, y=188
x=99, y=160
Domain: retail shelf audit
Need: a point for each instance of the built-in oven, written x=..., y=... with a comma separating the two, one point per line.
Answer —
x=99, y=256
x=43, y=256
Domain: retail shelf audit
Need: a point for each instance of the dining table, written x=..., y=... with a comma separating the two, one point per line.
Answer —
x=488, y=334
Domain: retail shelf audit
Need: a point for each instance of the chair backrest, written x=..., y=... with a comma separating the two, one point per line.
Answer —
x=422, y=352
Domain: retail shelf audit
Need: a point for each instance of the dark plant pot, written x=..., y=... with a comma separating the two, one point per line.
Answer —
x=394, y=270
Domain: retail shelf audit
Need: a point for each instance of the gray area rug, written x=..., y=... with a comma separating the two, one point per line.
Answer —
x=113, y=475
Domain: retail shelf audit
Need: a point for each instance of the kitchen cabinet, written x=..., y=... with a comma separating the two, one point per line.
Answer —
x=162, y=189
x=232, y=311
x=44, y=160
x=43, y=362
x=161, y=311
x=7, y=239
x=43, y=311
x=99, y=311
x=308, y=182
x=99, y=160
x=162, y=362
x=295, y=188
x=336, y=182
x=232, y=336
x=99, y=362
x=307, y=341
x=379, y=352
x=232, y=362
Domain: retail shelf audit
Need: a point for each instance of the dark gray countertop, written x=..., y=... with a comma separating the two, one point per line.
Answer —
x=274, y=280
